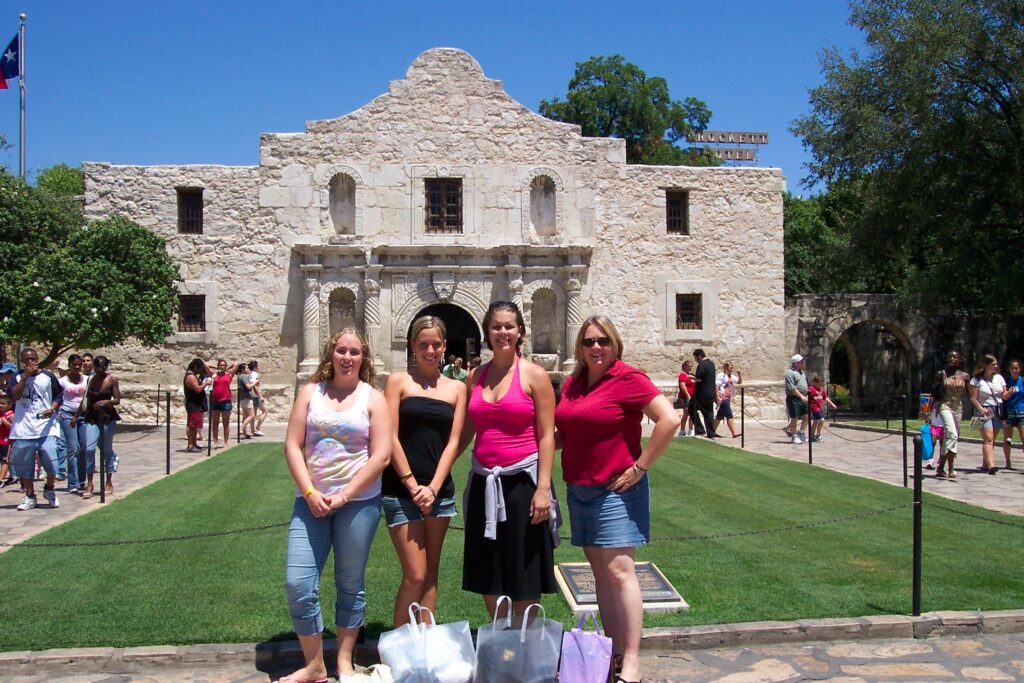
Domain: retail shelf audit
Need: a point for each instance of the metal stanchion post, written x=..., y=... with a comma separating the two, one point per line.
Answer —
x=167, y=418
x=743, y=413
x=157, y=422
x=103, y=459
x=916, y=610
x=238, y=415
x=886, y=411
x=209, y=428
x=810, y=442
x=904, y=439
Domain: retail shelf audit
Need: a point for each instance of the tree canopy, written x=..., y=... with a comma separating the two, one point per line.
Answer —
x=71, y=285
x=927, y=127
x=62, y=180
x=610, y=97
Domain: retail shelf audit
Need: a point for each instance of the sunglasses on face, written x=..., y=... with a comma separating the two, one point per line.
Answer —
x=589, y=342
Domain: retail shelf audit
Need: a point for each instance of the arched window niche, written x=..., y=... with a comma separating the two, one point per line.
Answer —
x=342, y=190
x=542, y=206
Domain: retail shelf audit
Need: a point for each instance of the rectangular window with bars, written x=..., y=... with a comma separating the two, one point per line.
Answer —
x=689, y=313
x=192, y=313
x=677, y=212
x=443, y=205
x=190, y=210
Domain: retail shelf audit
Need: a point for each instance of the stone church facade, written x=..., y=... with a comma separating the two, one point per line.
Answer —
x=440, y=196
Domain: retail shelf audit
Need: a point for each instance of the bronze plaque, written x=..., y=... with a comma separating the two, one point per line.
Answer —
x=579, y=581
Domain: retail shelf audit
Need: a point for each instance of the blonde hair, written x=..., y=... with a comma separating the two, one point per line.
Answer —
x=606, y=326
x=427, y=322
x=325, y=371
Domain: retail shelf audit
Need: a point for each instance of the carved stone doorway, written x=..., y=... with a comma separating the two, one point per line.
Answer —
x=463, y=332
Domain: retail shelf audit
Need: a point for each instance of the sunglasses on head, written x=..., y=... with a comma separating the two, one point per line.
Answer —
x=600, y=341
x=511, y=305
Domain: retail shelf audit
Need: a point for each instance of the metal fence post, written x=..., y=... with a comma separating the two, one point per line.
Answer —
x=238, y=415
x=903, y=432
x=103, y=458
x=209, y=428
x=167, y=418
x=743, y=414
x=810, y=441
x=156, y=423
x=916, y=607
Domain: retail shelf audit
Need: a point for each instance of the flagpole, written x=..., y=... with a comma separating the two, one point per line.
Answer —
x=21, y=90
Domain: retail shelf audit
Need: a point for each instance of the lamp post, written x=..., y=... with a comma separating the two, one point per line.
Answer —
x=819, y=328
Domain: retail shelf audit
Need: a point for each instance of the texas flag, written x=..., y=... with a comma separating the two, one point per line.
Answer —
x=9, y=63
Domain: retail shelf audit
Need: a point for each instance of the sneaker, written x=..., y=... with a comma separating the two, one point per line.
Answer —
x=28, y=503
x=796, y=439
x=51, y=498
x=73, y=489
x=788, y=432
x=258, y=433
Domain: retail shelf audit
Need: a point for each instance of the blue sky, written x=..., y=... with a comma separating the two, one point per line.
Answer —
x=197, y=82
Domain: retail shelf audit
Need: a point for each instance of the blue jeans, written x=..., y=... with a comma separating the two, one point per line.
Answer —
x=349, y=530
x=102, y=435
x=67, y=450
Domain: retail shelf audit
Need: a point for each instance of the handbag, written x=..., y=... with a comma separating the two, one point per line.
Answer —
x=1001, y=411
x=428, y=652
x=927, y=447
x=527, y=654
x=586, y=655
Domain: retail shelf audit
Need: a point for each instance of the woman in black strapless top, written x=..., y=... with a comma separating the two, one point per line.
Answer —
x=418, y=492
x=99, y=409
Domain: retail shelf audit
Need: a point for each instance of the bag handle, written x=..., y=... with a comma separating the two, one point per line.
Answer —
x=583, y=620
x=415, y=609
x=508, y=614
x=526, y=619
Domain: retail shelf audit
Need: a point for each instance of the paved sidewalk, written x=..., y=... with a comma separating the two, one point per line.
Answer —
x=142, y=454
x=953, y=658
x=879, y=456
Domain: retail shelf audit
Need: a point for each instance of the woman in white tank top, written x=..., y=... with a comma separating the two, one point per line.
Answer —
x=338, y=443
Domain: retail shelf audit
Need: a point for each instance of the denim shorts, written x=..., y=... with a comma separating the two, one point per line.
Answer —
x=817, y=415
x=399, y=511
x=223, y=406
x=1015, y=418
x=724, y=410
x=607, y=519
x=23, y=456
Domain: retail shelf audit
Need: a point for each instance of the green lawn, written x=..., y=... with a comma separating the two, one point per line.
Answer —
x=230, y=588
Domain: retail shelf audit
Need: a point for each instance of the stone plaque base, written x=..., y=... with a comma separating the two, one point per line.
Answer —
x=576, y=581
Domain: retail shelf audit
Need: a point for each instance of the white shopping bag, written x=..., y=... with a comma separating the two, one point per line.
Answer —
x=428, y=652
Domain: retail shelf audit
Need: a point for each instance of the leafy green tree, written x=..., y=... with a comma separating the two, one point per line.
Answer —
x=62, y=180
x=71, y=285
x=610, y=97
x=928, y=125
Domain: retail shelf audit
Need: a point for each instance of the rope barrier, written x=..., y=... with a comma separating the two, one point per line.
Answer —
x=149, y=432
x=265, y=527
x=840, y=436
x=971, y=514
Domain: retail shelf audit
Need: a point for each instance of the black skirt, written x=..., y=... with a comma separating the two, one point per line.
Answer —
x=520, y=561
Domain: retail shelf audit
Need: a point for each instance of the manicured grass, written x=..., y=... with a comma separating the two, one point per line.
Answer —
x=230, y=588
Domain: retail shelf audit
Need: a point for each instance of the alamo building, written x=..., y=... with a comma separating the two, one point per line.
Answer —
x=440, y=196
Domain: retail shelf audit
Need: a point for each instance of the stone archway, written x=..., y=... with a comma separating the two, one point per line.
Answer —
x=874, y=360
x=463, y=331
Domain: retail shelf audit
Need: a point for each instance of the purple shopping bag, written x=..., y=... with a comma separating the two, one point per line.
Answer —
x=586, y=655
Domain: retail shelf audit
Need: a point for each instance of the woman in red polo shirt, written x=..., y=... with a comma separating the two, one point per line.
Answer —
x=605, y=467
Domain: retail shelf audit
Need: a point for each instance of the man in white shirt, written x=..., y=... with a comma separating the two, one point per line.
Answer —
x=37, y=394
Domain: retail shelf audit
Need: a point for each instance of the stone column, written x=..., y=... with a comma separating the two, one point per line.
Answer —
x=573, y=320
x=371, y=314
x=311, y=318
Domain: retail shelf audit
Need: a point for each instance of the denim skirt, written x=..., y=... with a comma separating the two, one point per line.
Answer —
x=608, y=519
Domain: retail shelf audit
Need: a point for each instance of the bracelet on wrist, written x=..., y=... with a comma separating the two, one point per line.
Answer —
x=640, y=470
x=344, y=498
x=305, y=494
x=405, y=476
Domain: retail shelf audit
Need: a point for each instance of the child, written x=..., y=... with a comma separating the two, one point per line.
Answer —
x=818, y=397
x=937, y=429
x=6, y=417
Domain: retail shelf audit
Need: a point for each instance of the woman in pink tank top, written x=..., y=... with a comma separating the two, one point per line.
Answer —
x=508, y=501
